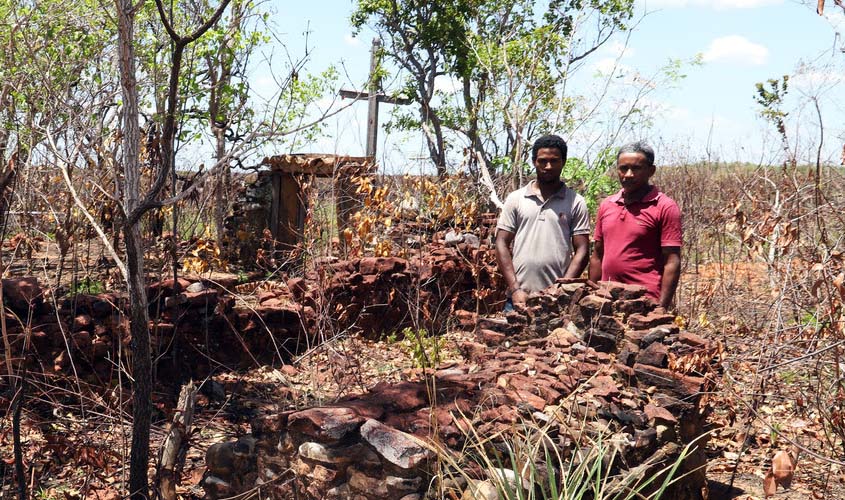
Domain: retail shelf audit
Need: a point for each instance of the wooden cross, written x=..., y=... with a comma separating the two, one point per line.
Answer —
x=373, y=97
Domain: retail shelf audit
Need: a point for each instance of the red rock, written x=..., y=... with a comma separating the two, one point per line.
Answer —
x=636, y=337
x=603, y=386
x=492, y=338
x=659, y=413
x=622, y=291
x=82, y=340
x=628, y=354
x=655, y=355
x=600, y=340
x=529, y=398
x=395, y=446
x=100, y=347
x=562, y=337
x=404, y=396
x=266, y=296
x=205, y=298
x=298, y=287
x=610, y=325
x=325, y=423
x=650, y=320
x=82, y=322
x=376, y=265
x=628, y=307
x=465, y=319
x=692, y=339
x=591, y=306
x=23, y=294
x=673, y=383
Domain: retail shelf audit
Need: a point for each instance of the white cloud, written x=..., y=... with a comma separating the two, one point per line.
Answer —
x=619, y=49
x=447, y=84
x=712, y=4
x=736, y=49
x=351, y=40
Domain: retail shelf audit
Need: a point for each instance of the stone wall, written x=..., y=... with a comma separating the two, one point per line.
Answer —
x=369, y=296
x=584, y=360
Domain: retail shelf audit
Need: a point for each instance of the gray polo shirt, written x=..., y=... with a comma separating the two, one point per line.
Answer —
x=542, y=245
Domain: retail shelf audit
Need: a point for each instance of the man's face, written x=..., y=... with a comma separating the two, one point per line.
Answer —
x=634, y=171
x=549, y=164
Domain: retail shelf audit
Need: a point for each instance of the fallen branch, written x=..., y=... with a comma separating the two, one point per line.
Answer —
x=175, y=444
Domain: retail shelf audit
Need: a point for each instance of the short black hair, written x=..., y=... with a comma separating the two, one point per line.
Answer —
x=640, y=147
x=549, y=141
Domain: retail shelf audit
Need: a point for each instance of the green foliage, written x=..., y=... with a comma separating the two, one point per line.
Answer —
x=525, y=464
x=595, y=181
x=511, y=59
x=422, y=347
x=771, y=100
x=87, y=286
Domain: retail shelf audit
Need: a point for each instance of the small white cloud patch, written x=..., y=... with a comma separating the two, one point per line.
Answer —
x=736, y=49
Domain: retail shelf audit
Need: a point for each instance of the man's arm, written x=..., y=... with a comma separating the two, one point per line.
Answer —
x=595, y=260
x=581, y=242
x=671, y=274
x=505, y=259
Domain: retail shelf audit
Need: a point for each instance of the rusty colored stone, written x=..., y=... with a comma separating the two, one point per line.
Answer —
x=395, y=446
x=326, y=423
x=655, y=355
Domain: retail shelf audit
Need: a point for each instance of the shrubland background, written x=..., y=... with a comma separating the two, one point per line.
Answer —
x=125, y=129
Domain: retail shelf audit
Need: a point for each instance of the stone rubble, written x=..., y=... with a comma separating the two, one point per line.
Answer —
x=585, y=359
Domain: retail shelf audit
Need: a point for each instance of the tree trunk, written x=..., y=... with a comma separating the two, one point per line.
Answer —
x=221, y=187
x=139, y=323
x=141, y=366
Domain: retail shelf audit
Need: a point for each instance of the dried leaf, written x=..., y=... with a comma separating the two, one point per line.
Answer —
x=783, y=468
x=769, y=485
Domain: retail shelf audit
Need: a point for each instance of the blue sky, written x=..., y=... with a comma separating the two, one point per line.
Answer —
x=709, y=113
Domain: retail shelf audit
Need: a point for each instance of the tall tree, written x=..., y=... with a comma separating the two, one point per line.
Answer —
x=135, y=207
x=509, y=58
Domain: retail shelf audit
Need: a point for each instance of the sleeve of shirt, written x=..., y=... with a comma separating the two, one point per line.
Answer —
x=508, y=218
x=580, y=216
x=599, y=234
x=671, y=234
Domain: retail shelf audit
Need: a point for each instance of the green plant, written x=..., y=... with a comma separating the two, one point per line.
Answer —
x=593, y=182
x=526, y=463
x=423, y=348
x=88, y=286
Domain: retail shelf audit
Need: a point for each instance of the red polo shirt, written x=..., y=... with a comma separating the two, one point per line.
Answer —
x=634, y=235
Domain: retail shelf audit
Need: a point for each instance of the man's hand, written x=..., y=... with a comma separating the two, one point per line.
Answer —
x=519, y=297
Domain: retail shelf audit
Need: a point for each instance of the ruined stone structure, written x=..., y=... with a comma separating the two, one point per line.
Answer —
x=585, y=360
x=277, y=200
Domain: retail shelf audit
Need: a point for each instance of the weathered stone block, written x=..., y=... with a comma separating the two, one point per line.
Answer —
x=395, y=446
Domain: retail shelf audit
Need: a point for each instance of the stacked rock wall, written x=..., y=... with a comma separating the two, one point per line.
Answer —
x=88, y=330
x=588, y=362
x=370, y=296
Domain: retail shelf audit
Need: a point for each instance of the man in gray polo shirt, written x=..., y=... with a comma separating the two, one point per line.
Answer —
x=548, y=224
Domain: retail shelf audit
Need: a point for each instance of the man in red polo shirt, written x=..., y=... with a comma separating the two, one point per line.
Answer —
x=638, y=230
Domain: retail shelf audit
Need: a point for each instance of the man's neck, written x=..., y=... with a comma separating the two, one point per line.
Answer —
x=548, y=189
x=635, y=196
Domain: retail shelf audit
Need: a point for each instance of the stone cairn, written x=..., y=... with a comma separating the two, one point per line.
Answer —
x=584, y=359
